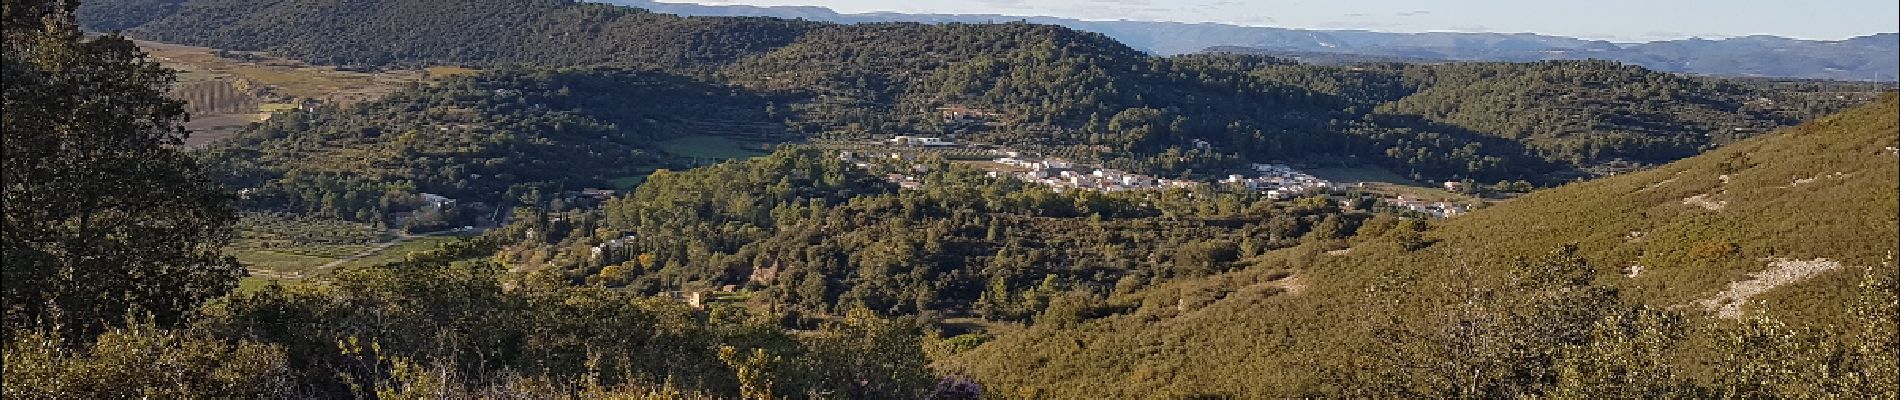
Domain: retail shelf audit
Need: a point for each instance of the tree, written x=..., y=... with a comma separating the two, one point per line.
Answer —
x=1627, y=357
x=1874, y=366
x=104, y=215
x=140, y=361
x=1506, y=341
x=1330, y=228
x=1409, y=233
x=863, y=356
x=755, y=382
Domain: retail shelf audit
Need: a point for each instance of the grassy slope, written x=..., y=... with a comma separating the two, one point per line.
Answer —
x=1253, y=333
x=1846, y=213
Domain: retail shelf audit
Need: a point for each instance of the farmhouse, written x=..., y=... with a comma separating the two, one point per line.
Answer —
x=598, y=194
x=436, y=200
x=957, y=113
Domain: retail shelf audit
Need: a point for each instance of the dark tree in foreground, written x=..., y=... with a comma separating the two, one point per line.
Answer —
x=105, y=218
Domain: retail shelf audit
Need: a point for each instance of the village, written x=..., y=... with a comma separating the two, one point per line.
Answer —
x=1064, y=175
x=1274, y=180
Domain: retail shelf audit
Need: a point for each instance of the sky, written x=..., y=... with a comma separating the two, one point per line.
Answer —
x=1616, y=20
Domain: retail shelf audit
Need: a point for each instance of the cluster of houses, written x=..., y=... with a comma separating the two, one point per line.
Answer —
x=904, y=181
x=1282, y=181
x=1439, y=209
x=593, y=194
x=623, y=241
x=922, y=141
x=852, y=158
x=1064, y=175
x=1279, y=181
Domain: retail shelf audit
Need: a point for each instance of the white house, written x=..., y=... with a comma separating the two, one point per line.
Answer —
x=921, y=141
x=436, y=200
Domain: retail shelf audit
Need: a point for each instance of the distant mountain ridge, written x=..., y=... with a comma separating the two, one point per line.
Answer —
x=1084, y=93
x=1866, y=58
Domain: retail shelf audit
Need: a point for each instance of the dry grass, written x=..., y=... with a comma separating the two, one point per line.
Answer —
x=445, y=71
x=277, y=84
x=209, y=127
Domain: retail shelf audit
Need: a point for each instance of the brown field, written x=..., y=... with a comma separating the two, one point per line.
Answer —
x=445, y=71
x=211, y=127
x=224, y=93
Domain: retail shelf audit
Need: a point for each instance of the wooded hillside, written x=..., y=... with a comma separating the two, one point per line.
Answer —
x=1541, y=295
x=1082, y=93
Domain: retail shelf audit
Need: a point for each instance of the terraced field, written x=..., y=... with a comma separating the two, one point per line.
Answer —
x=280, y=246
x=224, y=91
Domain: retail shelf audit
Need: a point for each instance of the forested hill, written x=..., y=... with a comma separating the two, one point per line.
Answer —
x=1863, y=58
x=481, y=138
x=476, y=32
x=1583, y=112
x=1640, y=272
x=1075, y=94
x=1870, y=57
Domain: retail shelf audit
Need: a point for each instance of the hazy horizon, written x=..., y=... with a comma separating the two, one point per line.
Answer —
x=1613, y=20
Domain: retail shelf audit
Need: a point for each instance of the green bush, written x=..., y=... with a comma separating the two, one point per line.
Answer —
x=142, y=361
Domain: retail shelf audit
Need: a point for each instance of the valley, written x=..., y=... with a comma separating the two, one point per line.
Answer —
x=531, y=199
x=1080, y=94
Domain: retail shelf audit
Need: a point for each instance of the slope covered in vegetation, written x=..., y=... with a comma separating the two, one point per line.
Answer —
x=1077, y=94
x=1585, y=112
x=815, y=236
x=806, y=273
x=481, y=138
x=1538, y=296
x=484, y=33
x=1824, y=189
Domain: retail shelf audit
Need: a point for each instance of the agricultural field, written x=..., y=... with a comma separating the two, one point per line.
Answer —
x=225, y=91
x=713, y=148
x=631, y=181
x=1385, y=182
x=293, y=246
x=279, y=246
x=210, y=127
x=627, y=182
x=438, y=72
x=398, y=251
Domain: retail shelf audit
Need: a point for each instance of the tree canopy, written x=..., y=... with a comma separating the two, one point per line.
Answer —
x=105, y=218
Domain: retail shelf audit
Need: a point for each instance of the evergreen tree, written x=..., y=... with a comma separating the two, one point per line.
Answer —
x=104, y=216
